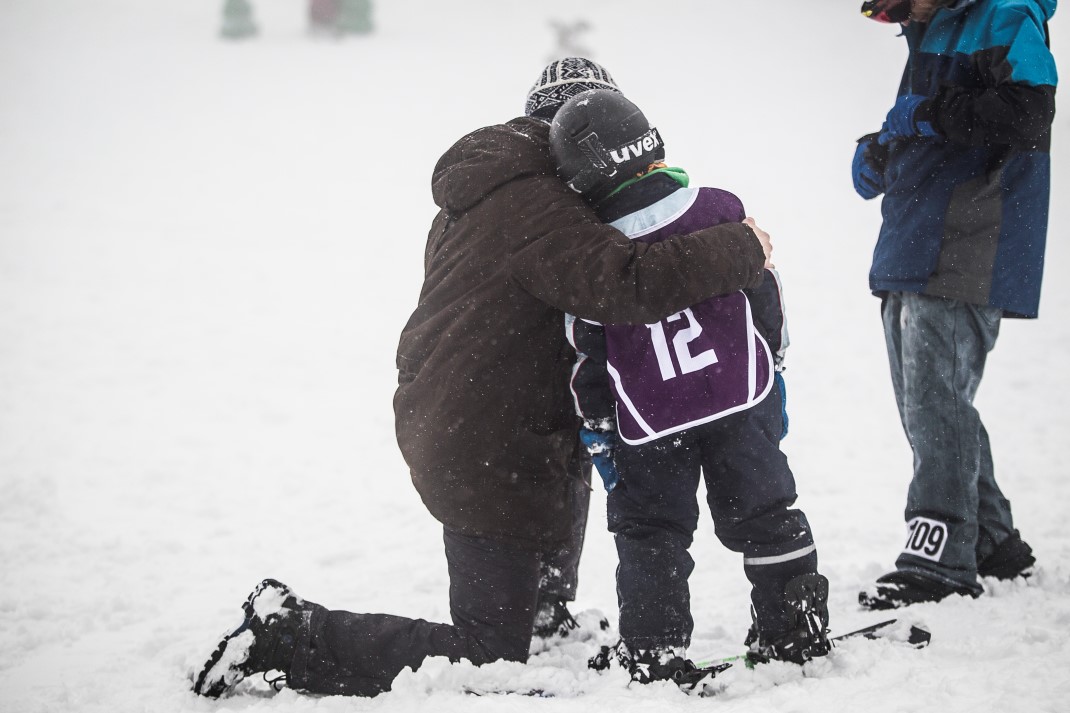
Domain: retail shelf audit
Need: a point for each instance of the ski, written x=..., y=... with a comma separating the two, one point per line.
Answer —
x=689, y=683
x=918, y=638
x=529, y=692
x=706, y=670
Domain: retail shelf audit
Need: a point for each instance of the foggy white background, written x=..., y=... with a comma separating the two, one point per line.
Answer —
x=208, y=250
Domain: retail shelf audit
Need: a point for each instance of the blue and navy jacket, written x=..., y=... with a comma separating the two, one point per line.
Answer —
x=965, y=213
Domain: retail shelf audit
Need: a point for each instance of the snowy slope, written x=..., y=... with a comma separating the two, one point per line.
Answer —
x=208, y=249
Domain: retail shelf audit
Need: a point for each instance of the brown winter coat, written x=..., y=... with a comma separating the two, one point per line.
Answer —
x=483, y=412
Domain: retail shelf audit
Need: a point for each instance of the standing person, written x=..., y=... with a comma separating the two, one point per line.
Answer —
x=483, y=415
x=690, y=396
x=963, y=162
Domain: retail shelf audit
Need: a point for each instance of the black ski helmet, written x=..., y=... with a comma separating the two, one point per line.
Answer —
x=599, y=139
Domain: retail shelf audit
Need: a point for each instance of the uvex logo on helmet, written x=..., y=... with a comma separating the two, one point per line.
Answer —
x=600, y=139
x=634, y=149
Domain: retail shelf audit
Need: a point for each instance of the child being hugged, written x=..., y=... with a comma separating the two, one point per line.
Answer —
x=698, y=394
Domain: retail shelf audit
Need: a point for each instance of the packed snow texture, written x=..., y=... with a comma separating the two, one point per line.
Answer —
x=208, y=250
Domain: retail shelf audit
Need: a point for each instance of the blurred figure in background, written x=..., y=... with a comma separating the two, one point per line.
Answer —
x=566, y=34
x=334, y=17
x=963, y=162
x=238, y=21
x=482, y=410
x=353, y=17
x=322, y=16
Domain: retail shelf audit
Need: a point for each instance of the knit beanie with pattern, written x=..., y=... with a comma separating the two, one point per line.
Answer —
x=562, y=80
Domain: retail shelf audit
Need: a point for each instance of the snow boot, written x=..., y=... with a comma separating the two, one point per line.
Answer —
x=1011, y=559
x=806, y=637
x=554, y=620
x=903, y=588
x=650, y=665
x=264, y=640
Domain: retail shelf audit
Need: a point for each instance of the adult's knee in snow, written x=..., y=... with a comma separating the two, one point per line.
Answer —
x=500, y=645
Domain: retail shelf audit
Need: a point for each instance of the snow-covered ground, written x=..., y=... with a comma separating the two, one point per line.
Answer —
x=208, y=250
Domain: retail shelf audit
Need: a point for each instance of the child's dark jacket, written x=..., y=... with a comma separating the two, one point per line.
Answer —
x=712, y=359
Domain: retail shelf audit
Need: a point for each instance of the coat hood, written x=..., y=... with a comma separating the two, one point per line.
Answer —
x=1047, y=7
x=488, y=158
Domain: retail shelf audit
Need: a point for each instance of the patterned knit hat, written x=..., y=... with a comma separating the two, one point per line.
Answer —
x=563, y=79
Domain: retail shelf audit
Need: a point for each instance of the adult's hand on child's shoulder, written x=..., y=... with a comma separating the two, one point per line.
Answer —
x=763, y=238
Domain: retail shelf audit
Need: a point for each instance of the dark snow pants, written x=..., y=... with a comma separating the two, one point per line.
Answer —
x=653, y=513
x=559, y=569
x=494, y=589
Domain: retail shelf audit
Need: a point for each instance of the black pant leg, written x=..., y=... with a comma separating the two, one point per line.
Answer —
x=653, y=513
x=493, y=589
x=561, y=566
x=750, y=492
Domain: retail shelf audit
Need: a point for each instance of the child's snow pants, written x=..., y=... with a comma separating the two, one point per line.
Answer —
x=653, y=513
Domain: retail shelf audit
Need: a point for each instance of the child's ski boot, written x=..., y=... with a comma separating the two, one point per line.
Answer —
x=806, y=599
x=650, y=665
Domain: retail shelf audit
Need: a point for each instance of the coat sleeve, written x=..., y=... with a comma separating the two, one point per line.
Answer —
x=1016, y=105
x=767, y=311
x=594, y=399
x=595, y=272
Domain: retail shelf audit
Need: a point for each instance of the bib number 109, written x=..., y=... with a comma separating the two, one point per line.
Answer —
x=926, y=538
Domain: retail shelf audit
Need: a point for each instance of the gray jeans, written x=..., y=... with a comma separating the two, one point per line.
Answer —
x=955, y=512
